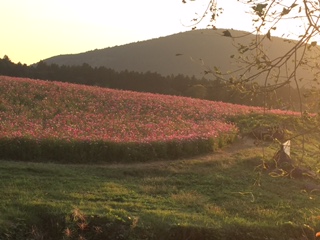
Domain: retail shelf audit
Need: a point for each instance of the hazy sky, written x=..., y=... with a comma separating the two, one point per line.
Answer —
x=32, y=30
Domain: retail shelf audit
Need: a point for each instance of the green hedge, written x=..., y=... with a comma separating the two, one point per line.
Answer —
x=74, y=151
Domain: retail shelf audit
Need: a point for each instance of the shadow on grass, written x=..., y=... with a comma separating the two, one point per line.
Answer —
x=49, y=226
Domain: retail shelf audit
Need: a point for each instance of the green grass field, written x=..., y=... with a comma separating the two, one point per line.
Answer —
x=220, y=196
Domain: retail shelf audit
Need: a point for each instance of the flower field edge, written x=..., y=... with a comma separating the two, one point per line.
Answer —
x=86, y=152
x=63, y=122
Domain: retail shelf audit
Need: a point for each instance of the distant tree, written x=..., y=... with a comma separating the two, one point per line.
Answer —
x=7, y=67
x=180, y=84
x=197, y=91
x=41, y=70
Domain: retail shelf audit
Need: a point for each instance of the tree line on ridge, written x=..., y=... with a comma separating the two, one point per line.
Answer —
x=179, y=85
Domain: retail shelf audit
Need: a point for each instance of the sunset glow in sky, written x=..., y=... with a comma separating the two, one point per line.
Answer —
x=37, y=29
x=32, y=30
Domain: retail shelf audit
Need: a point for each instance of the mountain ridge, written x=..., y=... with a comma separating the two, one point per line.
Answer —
x=175, y=54
x=190, y=53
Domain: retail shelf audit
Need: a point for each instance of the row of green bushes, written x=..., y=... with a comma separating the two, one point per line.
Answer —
x=75, y=151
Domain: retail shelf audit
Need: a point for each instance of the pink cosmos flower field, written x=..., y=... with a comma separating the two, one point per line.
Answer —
x=39, y=110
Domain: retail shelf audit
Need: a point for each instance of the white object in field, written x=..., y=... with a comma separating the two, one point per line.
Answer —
x=286, y=147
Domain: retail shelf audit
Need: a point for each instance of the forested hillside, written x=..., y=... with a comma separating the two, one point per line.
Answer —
x=178, y=85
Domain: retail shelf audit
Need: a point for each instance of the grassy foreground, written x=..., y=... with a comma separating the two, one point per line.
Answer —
x=221, y=196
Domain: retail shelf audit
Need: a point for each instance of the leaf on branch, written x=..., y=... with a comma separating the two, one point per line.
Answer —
x=293, y=5
x=314, y=43
x=217, y=71
x=243, y=49
x=268, y=35
x=285, y=11
x=184, y=1
x=259, y=8
x=226, y=33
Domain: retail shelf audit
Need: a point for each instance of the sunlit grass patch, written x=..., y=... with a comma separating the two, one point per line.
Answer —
x=189, y=199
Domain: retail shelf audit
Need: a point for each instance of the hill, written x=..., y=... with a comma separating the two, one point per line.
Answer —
x=189, y=53
x=52, y=117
